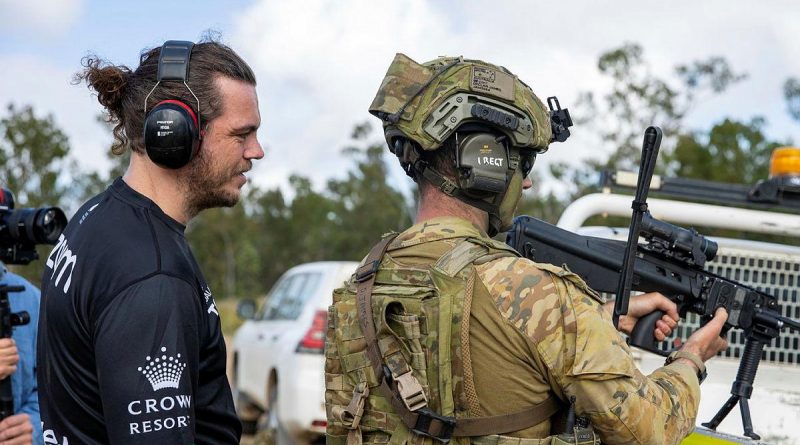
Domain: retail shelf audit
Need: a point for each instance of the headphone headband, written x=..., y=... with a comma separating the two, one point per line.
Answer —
x=173, y=65
x=173, y=62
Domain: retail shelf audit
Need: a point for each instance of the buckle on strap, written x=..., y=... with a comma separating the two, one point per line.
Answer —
x=447, y=187
x=367, y=270
x=411, y=392
x=353, y=412
x=435, y=426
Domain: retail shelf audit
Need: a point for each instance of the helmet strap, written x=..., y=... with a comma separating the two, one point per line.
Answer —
x=450, y=188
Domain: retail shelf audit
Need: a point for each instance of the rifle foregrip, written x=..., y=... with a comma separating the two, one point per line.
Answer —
x=642, y=334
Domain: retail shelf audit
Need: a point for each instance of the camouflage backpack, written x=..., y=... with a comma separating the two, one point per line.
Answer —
x=411, y=394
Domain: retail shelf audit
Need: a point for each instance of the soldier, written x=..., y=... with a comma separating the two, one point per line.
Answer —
x=446, y=334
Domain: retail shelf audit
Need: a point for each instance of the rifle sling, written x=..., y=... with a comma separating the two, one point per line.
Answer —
x=423, y=421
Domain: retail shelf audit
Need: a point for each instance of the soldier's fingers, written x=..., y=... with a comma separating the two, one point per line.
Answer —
x=672, y=312
x=663, y=327
x=721, y=344
x=660, y=302
x=669, y=321
x=716, y=323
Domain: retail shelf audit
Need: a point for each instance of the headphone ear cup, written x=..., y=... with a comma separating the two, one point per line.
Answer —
x=482, y=165
x=171, y=134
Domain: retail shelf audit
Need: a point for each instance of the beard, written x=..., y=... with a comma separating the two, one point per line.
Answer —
x=204, y=183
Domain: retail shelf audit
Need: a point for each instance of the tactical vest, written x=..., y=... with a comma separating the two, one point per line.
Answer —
x=410, y=395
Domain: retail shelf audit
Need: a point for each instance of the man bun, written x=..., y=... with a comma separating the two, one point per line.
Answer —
x=109, y=83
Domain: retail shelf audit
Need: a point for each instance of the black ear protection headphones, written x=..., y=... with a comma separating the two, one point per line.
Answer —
x=486, y=163
x=172, y=129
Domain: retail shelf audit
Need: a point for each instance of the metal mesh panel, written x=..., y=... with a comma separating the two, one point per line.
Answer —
x=774, y=274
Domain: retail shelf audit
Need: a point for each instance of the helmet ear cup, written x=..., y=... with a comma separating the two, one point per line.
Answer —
x=482, y=162
x=171, y=134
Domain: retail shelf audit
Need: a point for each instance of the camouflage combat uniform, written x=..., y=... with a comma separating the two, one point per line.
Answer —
x=535, y=330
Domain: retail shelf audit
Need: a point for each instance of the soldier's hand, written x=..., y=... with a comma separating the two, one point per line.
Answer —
x=706, y=342
x=8, y=357
x=645, y=304
x=16, y=430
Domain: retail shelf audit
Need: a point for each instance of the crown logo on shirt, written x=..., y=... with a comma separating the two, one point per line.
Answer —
x=163, y=371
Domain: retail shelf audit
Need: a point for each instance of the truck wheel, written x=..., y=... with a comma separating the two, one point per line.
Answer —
x=271, y=432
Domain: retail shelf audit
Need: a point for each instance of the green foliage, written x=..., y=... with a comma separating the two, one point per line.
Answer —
x=221, y=240
x=732, y=152
x=640, y=98
x=94, y=183
x=791, y=92
x=32, y=154
x=367, y=206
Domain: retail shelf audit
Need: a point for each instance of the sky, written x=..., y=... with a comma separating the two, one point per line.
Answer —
x=319, y=62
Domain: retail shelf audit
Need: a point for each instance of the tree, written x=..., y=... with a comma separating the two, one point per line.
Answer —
x=639, y=98
x=33, y=155
x=732, y=152
x=367, y=205
x=222, y=242
x=791, y=92
x=33, y=160
x=93, y=183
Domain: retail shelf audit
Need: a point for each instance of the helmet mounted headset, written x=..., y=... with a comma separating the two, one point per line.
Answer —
x=497, y=123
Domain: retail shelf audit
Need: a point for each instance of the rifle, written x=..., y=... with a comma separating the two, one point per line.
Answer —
x=671, y=261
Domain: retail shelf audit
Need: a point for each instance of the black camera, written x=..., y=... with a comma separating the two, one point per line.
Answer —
x=22, y=229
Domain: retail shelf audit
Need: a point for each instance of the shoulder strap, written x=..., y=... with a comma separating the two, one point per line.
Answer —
x=422, y=420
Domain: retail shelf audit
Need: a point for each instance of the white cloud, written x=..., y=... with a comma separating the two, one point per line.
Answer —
x=39, y=18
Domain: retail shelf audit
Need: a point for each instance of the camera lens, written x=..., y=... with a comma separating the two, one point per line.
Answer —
x=36, y=226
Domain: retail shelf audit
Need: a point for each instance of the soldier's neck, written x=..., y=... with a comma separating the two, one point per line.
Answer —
x=433, y=204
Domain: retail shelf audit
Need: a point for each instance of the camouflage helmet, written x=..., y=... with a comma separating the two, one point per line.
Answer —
x=427, y=102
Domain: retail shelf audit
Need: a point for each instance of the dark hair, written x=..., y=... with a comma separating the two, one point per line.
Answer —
x=443, y=160
x=122, y=91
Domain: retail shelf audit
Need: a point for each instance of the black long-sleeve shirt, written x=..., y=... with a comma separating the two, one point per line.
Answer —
x=130, y=347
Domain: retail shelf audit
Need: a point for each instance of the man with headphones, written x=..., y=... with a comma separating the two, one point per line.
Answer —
x=445, y=334
x=130, y=346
